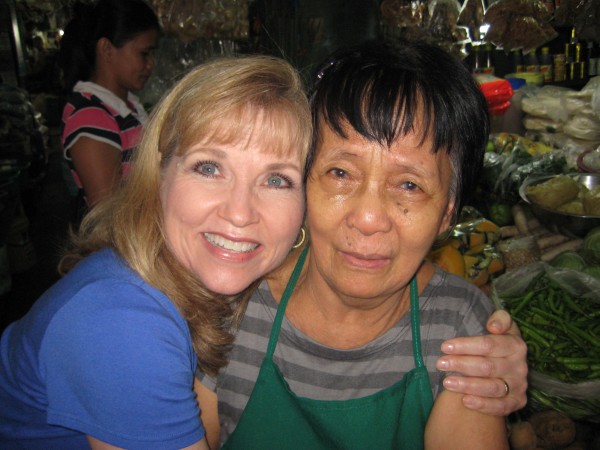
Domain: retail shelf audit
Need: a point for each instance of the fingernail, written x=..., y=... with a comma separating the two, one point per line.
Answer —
x=450, y=383
x=448, y=348
x=495, y=324
x=442, y=364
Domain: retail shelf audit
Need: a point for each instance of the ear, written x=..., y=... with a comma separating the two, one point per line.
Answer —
x=104, y=49
x=448, y=216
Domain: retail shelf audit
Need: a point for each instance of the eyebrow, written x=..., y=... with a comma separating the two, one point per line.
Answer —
x=207, y=150
x=343, y=154
x=281, y=166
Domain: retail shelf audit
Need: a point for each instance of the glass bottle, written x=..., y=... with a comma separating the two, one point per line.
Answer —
x=532, y=64
x=593, y=59
x=488, y=63
x=476, y=65
x=546, y=64
x=517, y=61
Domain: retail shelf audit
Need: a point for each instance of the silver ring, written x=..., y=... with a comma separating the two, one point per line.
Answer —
x=506, y=388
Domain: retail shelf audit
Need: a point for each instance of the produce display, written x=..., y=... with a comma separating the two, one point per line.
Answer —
x=548, y=430
x=565, y=194
x=509, y=160
x=469, y=251
x=546, y=276
x=561, y=329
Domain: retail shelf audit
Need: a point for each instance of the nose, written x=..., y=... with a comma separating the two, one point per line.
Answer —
x=240, y=206
x=369, y=211
x=150, y=63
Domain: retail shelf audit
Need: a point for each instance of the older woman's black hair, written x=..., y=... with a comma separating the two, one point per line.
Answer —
x=117, y=20
x=384, y=91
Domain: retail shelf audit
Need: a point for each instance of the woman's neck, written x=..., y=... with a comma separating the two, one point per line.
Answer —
x=333, y=319
x=107, y=83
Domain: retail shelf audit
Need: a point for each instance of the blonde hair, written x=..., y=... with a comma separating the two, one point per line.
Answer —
x=221, y=100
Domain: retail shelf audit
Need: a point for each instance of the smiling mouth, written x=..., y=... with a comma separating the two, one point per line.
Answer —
x=232, y=246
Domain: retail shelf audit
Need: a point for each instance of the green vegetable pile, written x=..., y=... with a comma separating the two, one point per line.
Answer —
x=562, y=331
x=557, y=308
x=586, y=260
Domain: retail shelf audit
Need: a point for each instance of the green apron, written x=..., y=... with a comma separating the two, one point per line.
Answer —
x=393, y=418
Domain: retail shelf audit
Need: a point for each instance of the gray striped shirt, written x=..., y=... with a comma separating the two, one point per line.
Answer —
x=450, y=306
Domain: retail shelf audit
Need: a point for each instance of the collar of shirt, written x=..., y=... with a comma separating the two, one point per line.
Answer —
x=112, y=100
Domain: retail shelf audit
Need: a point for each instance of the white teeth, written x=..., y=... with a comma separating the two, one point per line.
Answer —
x=220, y=241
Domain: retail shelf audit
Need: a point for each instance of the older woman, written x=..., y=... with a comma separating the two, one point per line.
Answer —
x=350, y=360
x=106, y=357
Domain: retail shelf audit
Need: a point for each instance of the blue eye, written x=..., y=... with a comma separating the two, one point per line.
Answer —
x=207, y=168
x=279, y=181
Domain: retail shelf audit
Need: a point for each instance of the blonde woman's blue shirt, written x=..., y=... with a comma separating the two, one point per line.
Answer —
x=101, y=353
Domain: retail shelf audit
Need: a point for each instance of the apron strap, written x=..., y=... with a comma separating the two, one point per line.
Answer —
x=414, y=312
x=283, y=303
x=415, y=323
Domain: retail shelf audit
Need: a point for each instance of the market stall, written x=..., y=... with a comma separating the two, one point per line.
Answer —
x=532, y=238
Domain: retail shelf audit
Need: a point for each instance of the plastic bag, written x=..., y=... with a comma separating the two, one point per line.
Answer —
x=518, y=24
x=584, y=125
x=546, y=103
x=580, y=400
x=593, y=86
x=471, y=17
x=497, y=92
x=443, y=18
x=536, y=123
x=583, y=15
x=403, y=13
x=207, y=19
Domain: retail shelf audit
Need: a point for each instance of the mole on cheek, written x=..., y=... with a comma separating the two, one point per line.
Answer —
x=406, y=211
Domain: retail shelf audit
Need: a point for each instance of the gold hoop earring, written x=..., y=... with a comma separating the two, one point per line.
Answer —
x=302, y=236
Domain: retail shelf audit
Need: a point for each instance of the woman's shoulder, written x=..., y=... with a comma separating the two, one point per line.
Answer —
x=448, y=292
x=102, y=287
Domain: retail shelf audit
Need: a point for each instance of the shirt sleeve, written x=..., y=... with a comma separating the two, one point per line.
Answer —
x=119, y=366
x=86, y=118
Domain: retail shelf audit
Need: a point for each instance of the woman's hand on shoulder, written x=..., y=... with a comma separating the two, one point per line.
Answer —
x=494, y=367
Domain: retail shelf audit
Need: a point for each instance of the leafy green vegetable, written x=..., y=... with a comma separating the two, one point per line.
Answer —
x=501, y=214
x=503, y=175
x=591, y=246
x=593, y=271
x=569, y=260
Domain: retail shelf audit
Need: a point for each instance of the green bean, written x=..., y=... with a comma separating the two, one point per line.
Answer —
x=522, y=303
x=573, y=360
x=561, y=330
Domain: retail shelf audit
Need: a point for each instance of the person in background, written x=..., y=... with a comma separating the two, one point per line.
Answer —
x=215, y=200
x=107, y=55
x=341, y=351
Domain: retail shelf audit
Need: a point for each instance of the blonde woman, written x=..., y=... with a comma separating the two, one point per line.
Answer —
x=106, y=357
